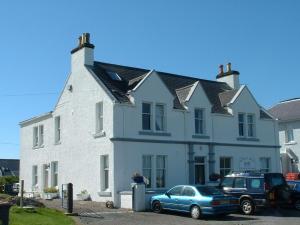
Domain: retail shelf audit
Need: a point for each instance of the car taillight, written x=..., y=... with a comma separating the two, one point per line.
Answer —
x=215, y=203
x=234, y=201
x=266, y=186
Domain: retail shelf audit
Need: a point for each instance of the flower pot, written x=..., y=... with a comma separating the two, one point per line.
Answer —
x=50, y=196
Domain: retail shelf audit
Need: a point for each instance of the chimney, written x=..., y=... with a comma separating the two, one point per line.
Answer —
x=83, y=54
x=231, y=77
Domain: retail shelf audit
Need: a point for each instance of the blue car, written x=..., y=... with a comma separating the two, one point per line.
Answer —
x=196, y=200
x=295, y=196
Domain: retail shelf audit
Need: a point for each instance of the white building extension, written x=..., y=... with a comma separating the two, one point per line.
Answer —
x=288, y=114
x=112, y=121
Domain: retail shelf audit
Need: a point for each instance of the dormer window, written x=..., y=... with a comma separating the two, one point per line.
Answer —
x=114, y=76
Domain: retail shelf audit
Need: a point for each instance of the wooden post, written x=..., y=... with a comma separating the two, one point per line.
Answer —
x=70, y=198
x=22, y=193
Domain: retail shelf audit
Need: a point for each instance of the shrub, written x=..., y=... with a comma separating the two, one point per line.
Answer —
x=50, y=190
x=8, y=180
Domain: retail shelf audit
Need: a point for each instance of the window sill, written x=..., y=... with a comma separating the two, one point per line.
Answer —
x=57, y=143
x=200, y=136
x=37, y=147
x=291, y=143
x=99, y=134
x=157, y=133
x=247, y=139
x=104, y=193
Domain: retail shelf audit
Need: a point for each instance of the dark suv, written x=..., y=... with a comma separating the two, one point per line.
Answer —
x=256, y=189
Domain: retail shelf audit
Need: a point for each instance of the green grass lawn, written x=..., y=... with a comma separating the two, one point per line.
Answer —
x=38, y=216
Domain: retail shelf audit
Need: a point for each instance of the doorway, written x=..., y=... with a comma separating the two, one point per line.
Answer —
x=199, y=170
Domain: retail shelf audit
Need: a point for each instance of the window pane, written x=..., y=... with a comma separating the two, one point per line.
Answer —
x=187, y=191
x=99, y=117
x=146, y=108
x=147, y=169
x=241, y=118
x=239, y=182
x=159, y=117
x=160, y=178
x=175, y=191
x=146, y=122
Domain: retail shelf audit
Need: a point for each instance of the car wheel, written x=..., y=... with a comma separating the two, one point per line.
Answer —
x=156, y=207
x=297, y=204
x=247, y=207
x=195, y=212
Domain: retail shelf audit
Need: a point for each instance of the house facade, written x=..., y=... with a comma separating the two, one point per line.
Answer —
x=112, y=121
x=288, y=114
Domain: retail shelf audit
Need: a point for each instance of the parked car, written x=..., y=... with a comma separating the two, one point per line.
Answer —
x=256, y=189
x=295, y=187
x=196, y=200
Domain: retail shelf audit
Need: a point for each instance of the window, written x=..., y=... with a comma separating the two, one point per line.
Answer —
x=188, y=191
x=161, y=171
x=256, y=183
x=147, y=169
x=241, y=124
x=34, y=175
x=227, y=182
x=199, y=121
x=225, y=166
x=99, y=117
x=35, y=137
x=159, y=117
x=54, y=170
x=199, y=170
x=41, y=135
x=265, y=165
x=251, y=125
x=239, y=182
x=104, y=173
x=289, y=135
x=175, y=191
x=146, y=116
x=57, y=129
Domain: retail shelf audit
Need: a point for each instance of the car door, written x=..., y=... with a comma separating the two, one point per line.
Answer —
x=187, y=198
x=239, y=187
x=171, y=200
x=227, y=184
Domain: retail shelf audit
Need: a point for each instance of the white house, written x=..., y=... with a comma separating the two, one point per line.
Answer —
x=288, y=114
x=112, y=121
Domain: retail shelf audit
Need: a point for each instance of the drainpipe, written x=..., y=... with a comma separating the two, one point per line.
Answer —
x=211, y=150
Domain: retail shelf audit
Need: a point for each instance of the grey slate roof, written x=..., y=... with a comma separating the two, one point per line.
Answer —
x=225, y=97
x=178, y=85
x=287, y=110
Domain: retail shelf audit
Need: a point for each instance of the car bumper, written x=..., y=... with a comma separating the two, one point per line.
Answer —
x=219, y=210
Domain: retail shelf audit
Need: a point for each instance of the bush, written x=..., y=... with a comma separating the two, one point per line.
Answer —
x=8, y=180
x=50, y=190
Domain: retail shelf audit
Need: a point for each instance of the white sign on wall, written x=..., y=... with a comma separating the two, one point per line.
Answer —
x=247, y=163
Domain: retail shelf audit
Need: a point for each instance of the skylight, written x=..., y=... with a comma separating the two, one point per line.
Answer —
x=114, y=75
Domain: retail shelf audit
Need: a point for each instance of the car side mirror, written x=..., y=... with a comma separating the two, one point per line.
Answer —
x=167, y=194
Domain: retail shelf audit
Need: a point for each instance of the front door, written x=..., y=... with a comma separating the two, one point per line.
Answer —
x=199, y=170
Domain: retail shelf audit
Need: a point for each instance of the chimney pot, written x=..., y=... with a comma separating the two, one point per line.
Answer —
x=228, y=67
x=221, y=69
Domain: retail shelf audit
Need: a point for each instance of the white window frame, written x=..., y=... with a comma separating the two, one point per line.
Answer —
x=200, y=121
x=99, y=117
x=225, y=168
x=242, y=123
x=163, y=117
x=41, y=135
x=150, y=116
x=35, y=136
x=251, y=125
x=104, y=180
x=150, y=185
x=57, y=128
x=288, y=138
x=54, y=174
x=35, y=176
x=265, y=169
x=158, y=169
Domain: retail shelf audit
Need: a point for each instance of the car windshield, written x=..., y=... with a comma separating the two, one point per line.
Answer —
x=207, y=190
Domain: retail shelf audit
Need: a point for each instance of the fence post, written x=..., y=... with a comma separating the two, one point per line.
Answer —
x=70, y=198
x=22, y=193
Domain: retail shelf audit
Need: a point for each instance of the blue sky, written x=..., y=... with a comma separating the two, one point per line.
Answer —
x=259, y=38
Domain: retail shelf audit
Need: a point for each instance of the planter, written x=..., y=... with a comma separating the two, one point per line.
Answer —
x=50, y=196
x=83, y=197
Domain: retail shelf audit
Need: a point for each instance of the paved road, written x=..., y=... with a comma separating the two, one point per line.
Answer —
x=267, y=217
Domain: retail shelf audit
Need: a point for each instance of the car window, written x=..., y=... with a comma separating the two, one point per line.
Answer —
x=297, y=187
x=239, y=182
x=175, y=191
x=188, y=191
x=256, y=183
x=208, y=191
x=227, y=182
x=275, y=179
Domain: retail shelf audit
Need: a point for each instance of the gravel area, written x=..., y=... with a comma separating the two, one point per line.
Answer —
x=95, y=213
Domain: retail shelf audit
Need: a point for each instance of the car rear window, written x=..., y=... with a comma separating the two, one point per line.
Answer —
x=207, y=190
